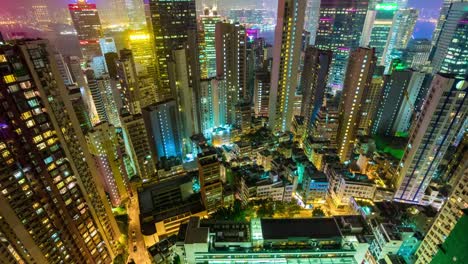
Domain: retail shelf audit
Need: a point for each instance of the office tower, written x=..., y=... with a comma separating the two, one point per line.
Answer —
x=127, y=76
x=140, y=43
x=447, y=220
x=442, y=115
x=103, y=144
x=208, y=27
x=110, y=59
x=171, y=23
x=107, y=45
x=399, y=35
x=41, y=12
x=97, y=100
x=356, y=87
x=381, y=26
x=450, y=54
x=417, y=53
x=113, y=13
x=135, y=131
x=261, y=92
x=340, y=25
x=442, y=18
x=65, y=73
x=231, y=63
x=286, y=56
x=107, y=88
x=136, y=14
x=86, y=21
x=209, y=174
x=311, y=19
x=314, y=79
x=179, y=75
x=51, y=200
x=397, y=102
x=79, y=106
x=161, y=122
x=370, y=102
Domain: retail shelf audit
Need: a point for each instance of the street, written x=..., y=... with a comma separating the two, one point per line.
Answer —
x=141, y=255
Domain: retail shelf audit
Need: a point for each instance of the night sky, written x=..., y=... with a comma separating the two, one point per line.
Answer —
x=428, y=8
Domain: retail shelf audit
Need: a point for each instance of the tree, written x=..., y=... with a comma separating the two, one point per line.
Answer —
x=318, y=212
x=292, y=209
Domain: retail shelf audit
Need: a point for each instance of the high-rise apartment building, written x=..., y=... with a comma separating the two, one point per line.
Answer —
x=103, y=145
x=356, y=87
x=399, y=35
x=86, y=21
x=97, y=100
x=442, y=114
x=213, y=105
x=286, y=58
x=208, y=28
x=161, y=122
x=314, y=79
x=182, y=88
x=442, y=18
x=261, y=92
x=231, y=63
x=340, y=26
x=450, y=53
x=171, y=23
x=52, y=202
x=448, y=217
x=209, y=173
x=135, y=131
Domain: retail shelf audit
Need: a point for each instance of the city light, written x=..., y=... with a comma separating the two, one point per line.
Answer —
x=159, y=131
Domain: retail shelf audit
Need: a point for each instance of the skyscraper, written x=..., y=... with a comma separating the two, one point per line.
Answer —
x=261, y=92
x=356, y=87
x=381, y=27
x=41, y=12
x=340, y=27
x=399, y=35
x=171, y=23
x=141, y=45
x=370, y=102
x=286, y=56
x=397, y=103
x=127, y=76
x=103, y=145
x=314, y=79
x=48, y=211
x=135, y=131
x=448, y=217
x=161, y=122
x=231, y=63
x=208, y=26
x=442, y=115
x=86, y=21
x=450, y=53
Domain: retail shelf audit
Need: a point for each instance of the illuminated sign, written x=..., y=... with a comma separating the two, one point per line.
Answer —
x=139, y=36
x=387, y=7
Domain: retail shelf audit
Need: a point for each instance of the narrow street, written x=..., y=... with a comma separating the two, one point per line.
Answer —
x=140, y=256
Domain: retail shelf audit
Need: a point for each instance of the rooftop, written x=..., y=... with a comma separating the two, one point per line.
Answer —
x=299, y=228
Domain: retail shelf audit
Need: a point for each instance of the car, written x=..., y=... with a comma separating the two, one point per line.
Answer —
x=134, y=248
